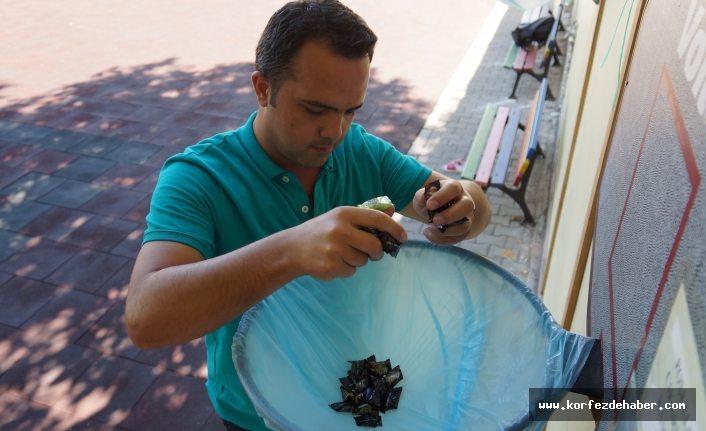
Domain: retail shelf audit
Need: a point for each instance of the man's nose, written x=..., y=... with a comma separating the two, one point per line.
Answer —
x=333, y=127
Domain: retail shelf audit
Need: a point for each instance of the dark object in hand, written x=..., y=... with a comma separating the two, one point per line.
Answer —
x=389, y=245
x=429, y=191
x=368, y=390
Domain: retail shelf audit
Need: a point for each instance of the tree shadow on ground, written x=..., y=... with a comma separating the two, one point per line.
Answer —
x=148, y=102
x=65, y=357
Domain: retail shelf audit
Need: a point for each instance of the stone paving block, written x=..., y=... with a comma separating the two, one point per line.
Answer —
x=221, y=109
x=48, y=117
x=21, y=297
x=6, y=401
x=8, y=126
x=180, y=137
x=497, y=240
x=214, y=423
x=13, y=216
x=77, y=121
x=14, y=346
x=96, y=146
x=481, y=249
x=130, y=246
x=9, y=175
x=139, y=212
x=116, y=288
x=161, y=156
x=512, y=210
x=48, y=161
x=13, y=155
x=172, y=402
x=24, y=415
x=56, y=223
x=181, y=119
x=495, y=253
x=109, y=334
x=38, y=258
x=48, y=371
x=87, y=270
x=127, y=381
x=515, y=230
x=114, y=202
x=186, y=358
x=136, y=130
x=108, y=108
x=26, y=134
x=101, y=233
x=60, y=140
x=133, y=152
x=149, y=114
x=10, y=243
x=68, y=315
x=86, y=168
x=32, y=186
x=212, y=124
x=72, y=194
x=124, y=175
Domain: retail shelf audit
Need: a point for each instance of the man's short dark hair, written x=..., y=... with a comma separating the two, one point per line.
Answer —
x=299, y=21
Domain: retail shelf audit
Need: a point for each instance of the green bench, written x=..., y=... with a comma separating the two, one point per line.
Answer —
x=522, y=61
x=489, y=158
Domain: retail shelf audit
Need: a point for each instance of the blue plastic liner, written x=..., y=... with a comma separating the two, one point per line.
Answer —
x=470, y=338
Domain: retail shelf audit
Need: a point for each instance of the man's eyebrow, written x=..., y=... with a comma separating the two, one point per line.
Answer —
x=325, y=106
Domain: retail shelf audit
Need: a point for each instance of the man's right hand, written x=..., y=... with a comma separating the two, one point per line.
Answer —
x=332, y=245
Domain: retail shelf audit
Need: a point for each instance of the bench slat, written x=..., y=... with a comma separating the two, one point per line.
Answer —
x=511, y=55
x=491, y=148
x=525, y=142
x=526, y=17
x=505, y=153
x=478, y=145
x=537, y=115
x=520, y=60
x=552, y=37
x=531, y=57
x=535, y=13
x=546, y=9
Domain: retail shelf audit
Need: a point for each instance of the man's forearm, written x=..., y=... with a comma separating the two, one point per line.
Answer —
x=183, y=302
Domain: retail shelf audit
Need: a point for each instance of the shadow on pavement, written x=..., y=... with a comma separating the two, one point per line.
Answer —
x=77, y=170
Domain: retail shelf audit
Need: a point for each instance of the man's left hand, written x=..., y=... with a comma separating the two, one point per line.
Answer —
x=463, y=206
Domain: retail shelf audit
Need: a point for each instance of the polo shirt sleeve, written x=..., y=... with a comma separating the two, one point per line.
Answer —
x=401, y=175
x=182, y=207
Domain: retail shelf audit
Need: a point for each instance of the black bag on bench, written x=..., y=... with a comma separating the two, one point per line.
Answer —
x=537, y=31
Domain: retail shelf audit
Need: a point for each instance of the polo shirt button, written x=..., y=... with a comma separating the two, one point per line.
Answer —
x=285, y=179
x=305, y=209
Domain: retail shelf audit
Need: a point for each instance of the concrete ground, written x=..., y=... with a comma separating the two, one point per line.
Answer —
x=93, y=99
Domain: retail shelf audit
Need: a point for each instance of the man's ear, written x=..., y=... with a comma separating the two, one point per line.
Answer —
x=262, y=88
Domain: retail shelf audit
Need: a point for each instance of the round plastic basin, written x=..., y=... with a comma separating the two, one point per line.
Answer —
x=470, y=338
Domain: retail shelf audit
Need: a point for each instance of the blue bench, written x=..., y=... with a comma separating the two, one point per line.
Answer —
x=522, y=61
x=490, y=154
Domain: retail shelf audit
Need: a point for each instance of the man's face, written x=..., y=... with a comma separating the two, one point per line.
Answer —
x=315, y=109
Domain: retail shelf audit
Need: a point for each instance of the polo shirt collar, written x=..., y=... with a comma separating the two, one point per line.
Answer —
x=246, y=135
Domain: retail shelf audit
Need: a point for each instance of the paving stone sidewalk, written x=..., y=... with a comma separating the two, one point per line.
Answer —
x=452, y=126
x=77, y=170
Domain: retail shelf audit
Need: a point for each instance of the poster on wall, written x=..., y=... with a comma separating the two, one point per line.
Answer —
x=648, y=278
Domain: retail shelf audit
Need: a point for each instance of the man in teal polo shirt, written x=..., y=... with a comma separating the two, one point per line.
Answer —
x=241, y=214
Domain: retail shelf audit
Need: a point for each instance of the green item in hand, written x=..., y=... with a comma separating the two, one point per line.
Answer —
x=380, y=203
x=389, y=245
